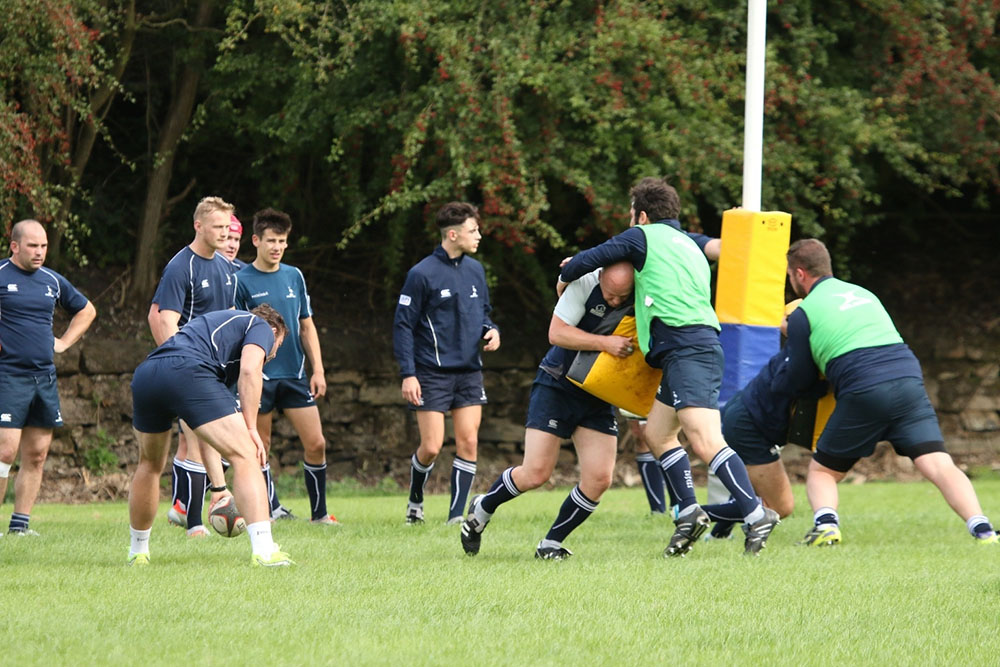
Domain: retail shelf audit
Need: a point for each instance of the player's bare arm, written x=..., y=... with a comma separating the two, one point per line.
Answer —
x=310, y=345
x=78, y=325
x=572, y=338
x=169, y=320
x=249, y=387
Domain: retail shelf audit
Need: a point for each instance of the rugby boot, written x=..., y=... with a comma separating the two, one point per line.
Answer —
x=472, y=528
x=825, y=535
x=688, y=529
x=758, y=532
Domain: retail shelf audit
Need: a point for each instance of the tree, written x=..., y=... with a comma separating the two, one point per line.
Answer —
x=58, y=83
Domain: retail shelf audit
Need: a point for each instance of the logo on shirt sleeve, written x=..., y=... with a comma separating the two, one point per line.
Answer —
x=446, y=293
x=404, y=300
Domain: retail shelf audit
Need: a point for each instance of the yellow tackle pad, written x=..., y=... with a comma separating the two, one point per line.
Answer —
x=628, y=383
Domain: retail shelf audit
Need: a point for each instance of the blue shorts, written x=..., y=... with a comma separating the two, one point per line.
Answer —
x=692, y=377
x=743, y=436
x=171, y=387
x=560, y=411
x=441, y=391
x=29, y=400
x=898, y=411
x=285, y=393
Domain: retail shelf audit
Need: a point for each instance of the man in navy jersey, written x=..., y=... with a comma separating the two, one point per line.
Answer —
x=679, y=333
x=29, y=397
x=197, y=280
x=189, y=377
x=442, y=315
x=843, y=331
x=286, y=385
x=232, y=247
x=584, y=319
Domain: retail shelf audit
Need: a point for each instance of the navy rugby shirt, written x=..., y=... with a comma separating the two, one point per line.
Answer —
x=285, y=291
x=27, y=301
x=217, y=339
x=442, y=314
x=192, y=285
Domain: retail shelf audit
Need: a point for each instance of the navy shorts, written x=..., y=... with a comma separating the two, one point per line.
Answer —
x=171, y=387
x=29, y=400
x=898, y=411
x=743, y=436
x=692, y=377
x=285, y=393
x=441, y=391
x=561, y=411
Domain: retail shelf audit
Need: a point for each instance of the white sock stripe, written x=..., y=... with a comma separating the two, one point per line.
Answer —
x=454, y=487
x=724, y=455
x=190, y=466
x=729, y=472
x=560, y=525
x=645, y=458
x=581, y=500
x=673, y=458
x=315, y=483
x=419, y=467
x=464, y=466
x=508, y=482
x=311, y=468
x=649, y=489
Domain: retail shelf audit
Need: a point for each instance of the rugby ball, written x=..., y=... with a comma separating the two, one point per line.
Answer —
x=226, y=519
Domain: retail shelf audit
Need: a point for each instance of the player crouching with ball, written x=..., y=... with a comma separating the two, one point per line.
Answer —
x=187, y=377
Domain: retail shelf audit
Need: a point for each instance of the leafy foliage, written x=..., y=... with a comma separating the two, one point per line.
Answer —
x=52, y=58
x=545, y=112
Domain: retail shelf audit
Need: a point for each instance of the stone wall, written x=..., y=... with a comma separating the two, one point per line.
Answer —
x=371, y=435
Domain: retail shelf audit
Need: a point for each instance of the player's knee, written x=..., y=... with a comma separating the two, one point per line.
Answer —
x=7, y=455
x=34, y=459
x=428, y=451
x=532, y=477
x=598, y=483
x=314, y=448
x=783, y=506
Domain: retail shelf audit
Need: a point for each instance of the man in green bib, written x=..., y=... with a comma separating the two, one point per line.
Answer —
x=678, y=332
x=843, y=331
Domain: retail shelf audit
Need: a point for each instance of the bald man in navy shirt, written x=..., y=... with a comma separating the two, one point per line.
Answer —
x=29, y=397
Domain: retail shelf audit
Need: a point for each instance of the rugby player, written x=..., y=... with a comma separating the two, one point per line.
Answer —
x=286, y=385
x=188, y=377
x=584, y=319
x=29, y=395
x=442, y=315
x=843, y=331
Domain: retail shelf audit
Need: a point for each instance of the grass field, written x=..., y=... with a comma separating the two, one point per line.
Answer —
x=908, y=586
